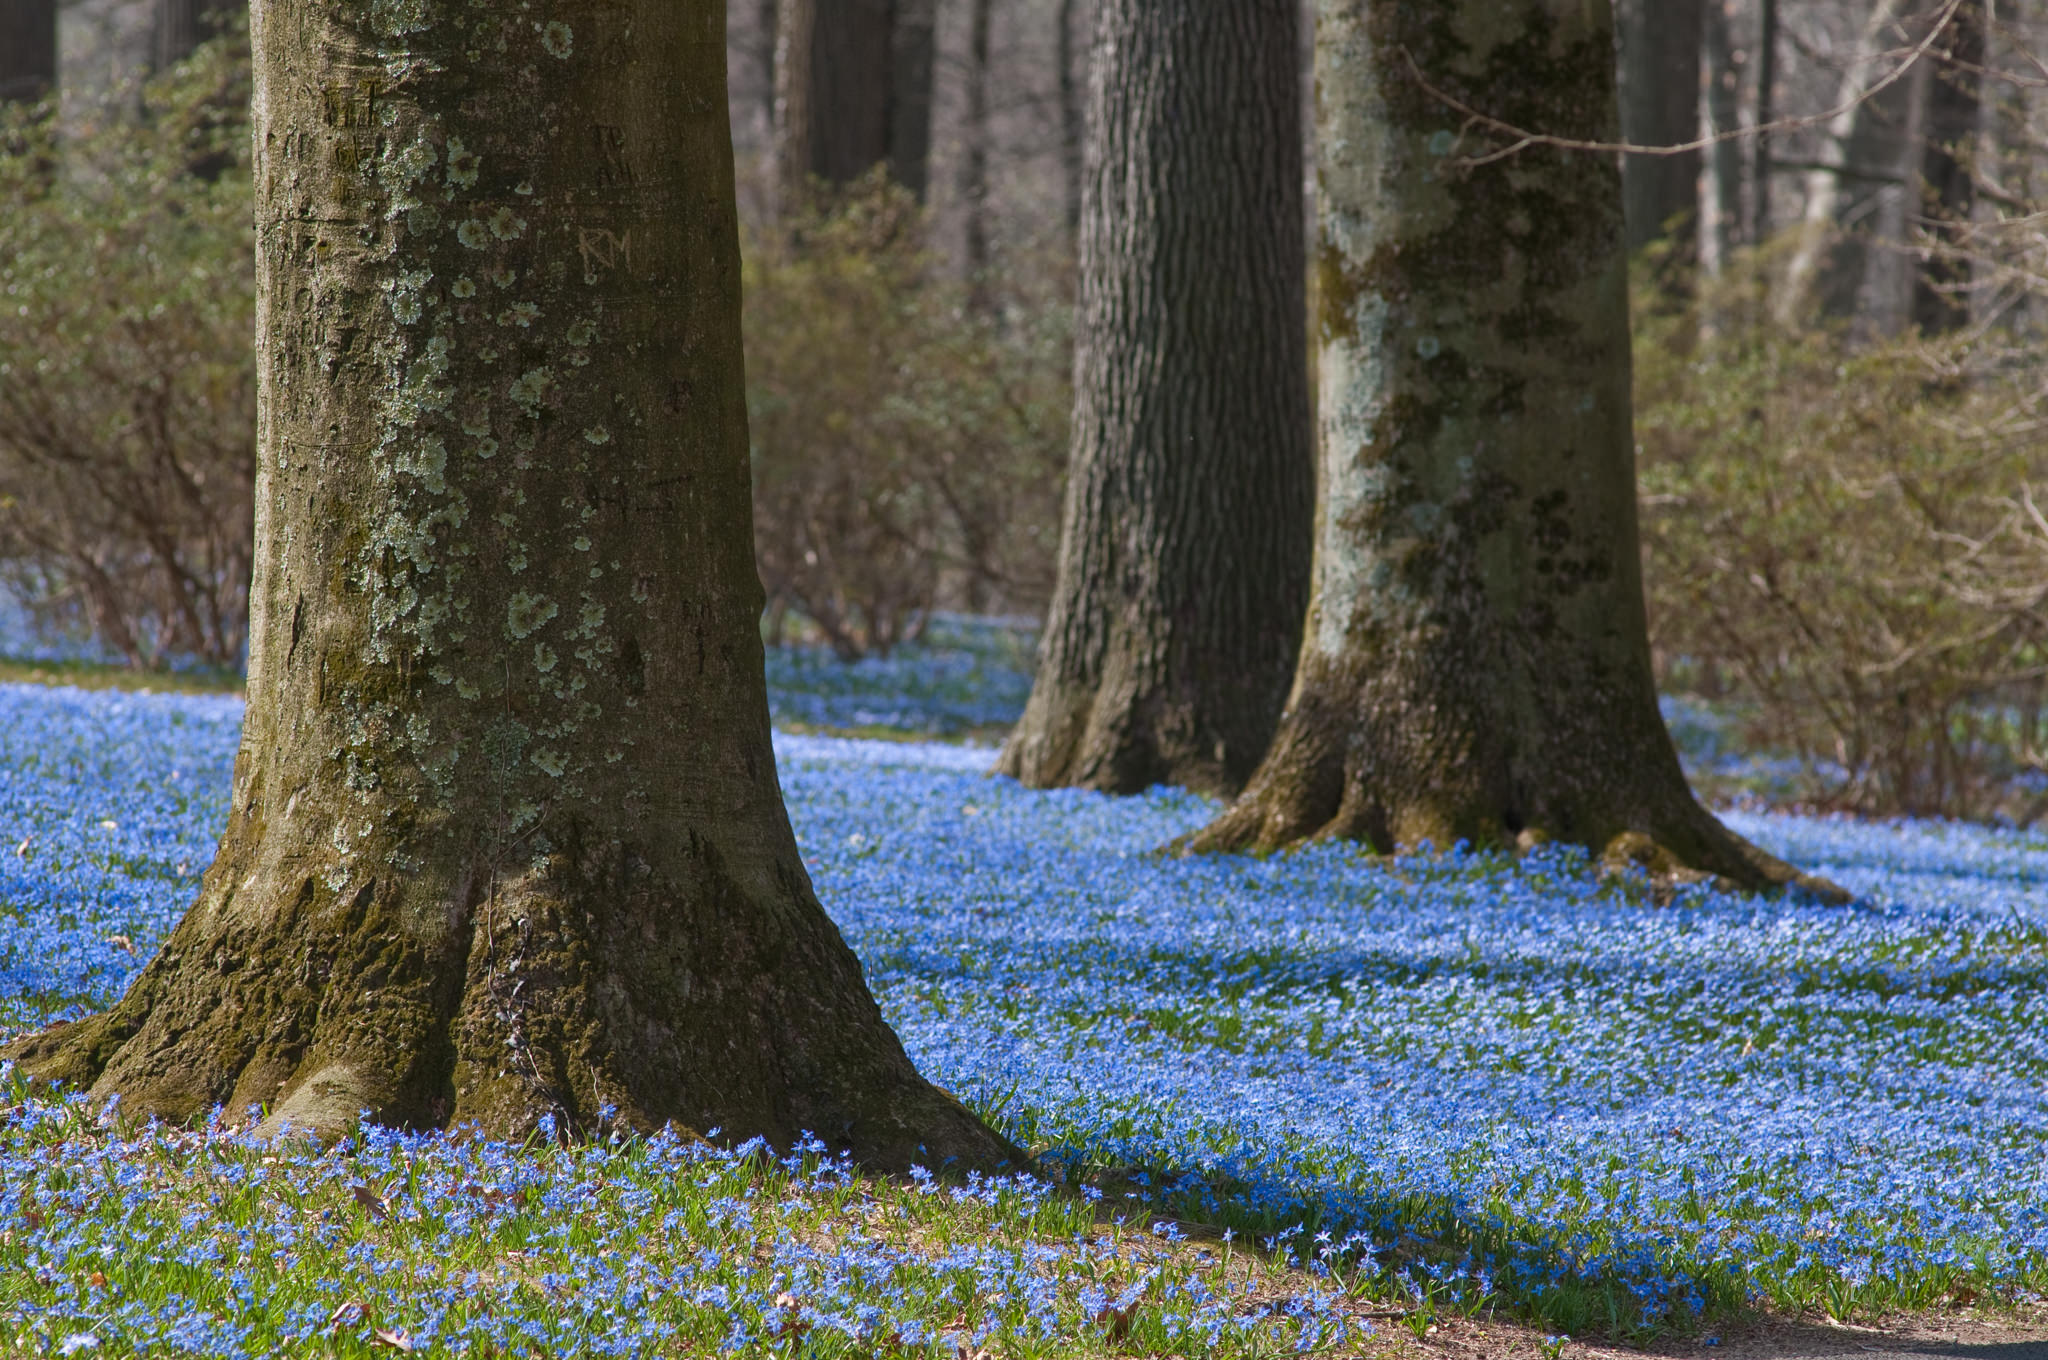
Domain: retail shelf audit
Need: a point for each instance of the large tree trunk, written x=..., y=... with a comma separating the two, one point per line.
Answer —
x=1184, y=563
x=506, y=839
x=28, y=49
x=1475, y=665
x=1941, y=290
x=1660, y=106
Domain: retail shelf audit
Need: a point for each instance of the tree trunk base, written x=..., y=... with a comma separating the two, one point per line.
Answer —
x=584, y=990
x=1309, y=790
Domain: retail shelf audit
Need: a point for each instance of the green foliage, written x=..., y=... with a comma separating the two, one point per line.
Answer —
x=906, y=448
x=127, y=392
x=1845, y=544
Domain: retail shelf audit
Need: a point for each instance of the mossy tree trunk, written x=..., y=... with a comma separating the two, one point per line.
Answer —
x=1475, y=665
x=1183, y=571
x=506, y=837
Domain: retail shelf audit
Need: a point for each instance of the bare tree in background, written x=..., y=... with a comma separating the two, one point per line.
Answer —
x=1941, y=300
x=853, y=90
x=974, y=166
x=28, y=49
x=1722, y=208
x=1660, y=106
x=1766, y=104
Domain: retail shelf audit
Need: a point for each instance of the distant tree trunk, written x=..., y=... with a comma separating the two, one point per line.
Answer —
x=1766, y=111
x=1724, y=158
x=767, y=34
x=1475, y=665
x=795, y=31
x=1183, y=568
x=1660, y=106
x=974, y=165
x=28, y=49
x=1071, y=121
x=1941, y=297
x=181, y=25
x=854, y=90
x=505, y=840
x=1859, y=157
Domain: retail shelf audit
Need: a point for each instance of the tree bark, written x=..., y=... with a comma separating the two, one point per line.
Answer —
x=1660, y=106
x=1860, y=156
x=181, y=25
x=1766, y=113
x=1941, y=296
x=1183, y=567
x=1724, y=158
x=506, y=839
x=795, y=33
x=974, y=164
x=1071, y=121
x=28, y=49
x=1475, y=665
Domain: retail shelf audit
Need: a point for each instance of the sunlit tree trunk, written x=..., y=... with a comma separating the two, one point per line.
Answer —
x=28, y=49
x=1475, y=665
x=506, y=838
x=1183, y=567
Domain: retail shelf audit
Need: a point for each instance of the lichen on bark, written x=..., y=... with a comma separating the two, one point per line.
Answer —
x=1476, y=664
x=506, y=839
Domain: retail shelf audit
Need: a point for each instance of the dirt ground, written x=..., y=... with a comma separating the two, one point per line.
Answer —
x=1963, y=1334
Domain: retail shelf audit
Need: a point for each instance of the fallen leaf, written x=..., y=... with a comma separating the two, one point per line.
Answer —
x=97, y=1280
x=397, y=1341
x=21, y=851
x=121, y=942
x=372, y=1201
x=785, y=1300
x=349, y=1313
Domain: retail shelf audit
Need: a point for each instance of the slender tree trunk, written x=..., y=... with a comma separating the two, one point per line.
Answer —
x=1184, y=562
x=1724, y=158
x=974, y=165
x=796, y=26
x=28, y=49
x=1071, y=122
x=506, y=839
x=1475, y=665
x=1660, y=106
x=1859, y=156
x=1941, y=296
x=1766, y=112
x=767, y=34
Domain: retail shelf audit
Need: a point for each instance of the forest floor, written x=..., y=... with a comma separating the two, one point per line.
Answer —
x=1442, y=1106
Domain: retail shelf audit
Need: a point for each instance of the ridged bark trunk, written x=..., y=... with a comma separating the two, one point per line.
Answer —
x=1475, y=665
x=1941, y=289
x=506, y=837
x=1183, y=568
x=28, y=49
x=1660, y=106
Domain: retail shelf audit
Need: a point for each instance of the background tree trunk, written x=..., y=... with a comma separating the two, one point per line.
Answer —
x=1184, y=563
x=1724, y=158
x=181, y=25
x=1766, y=111
x=1071, y=119
x=506, y=839
x=795, y=28
x=1941, y=291
x=28, y=49
x=1860, y=158
x=1660, y=106
x=1475, y=665
x=854, y=90
x=913, y=50
x=974, y=163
